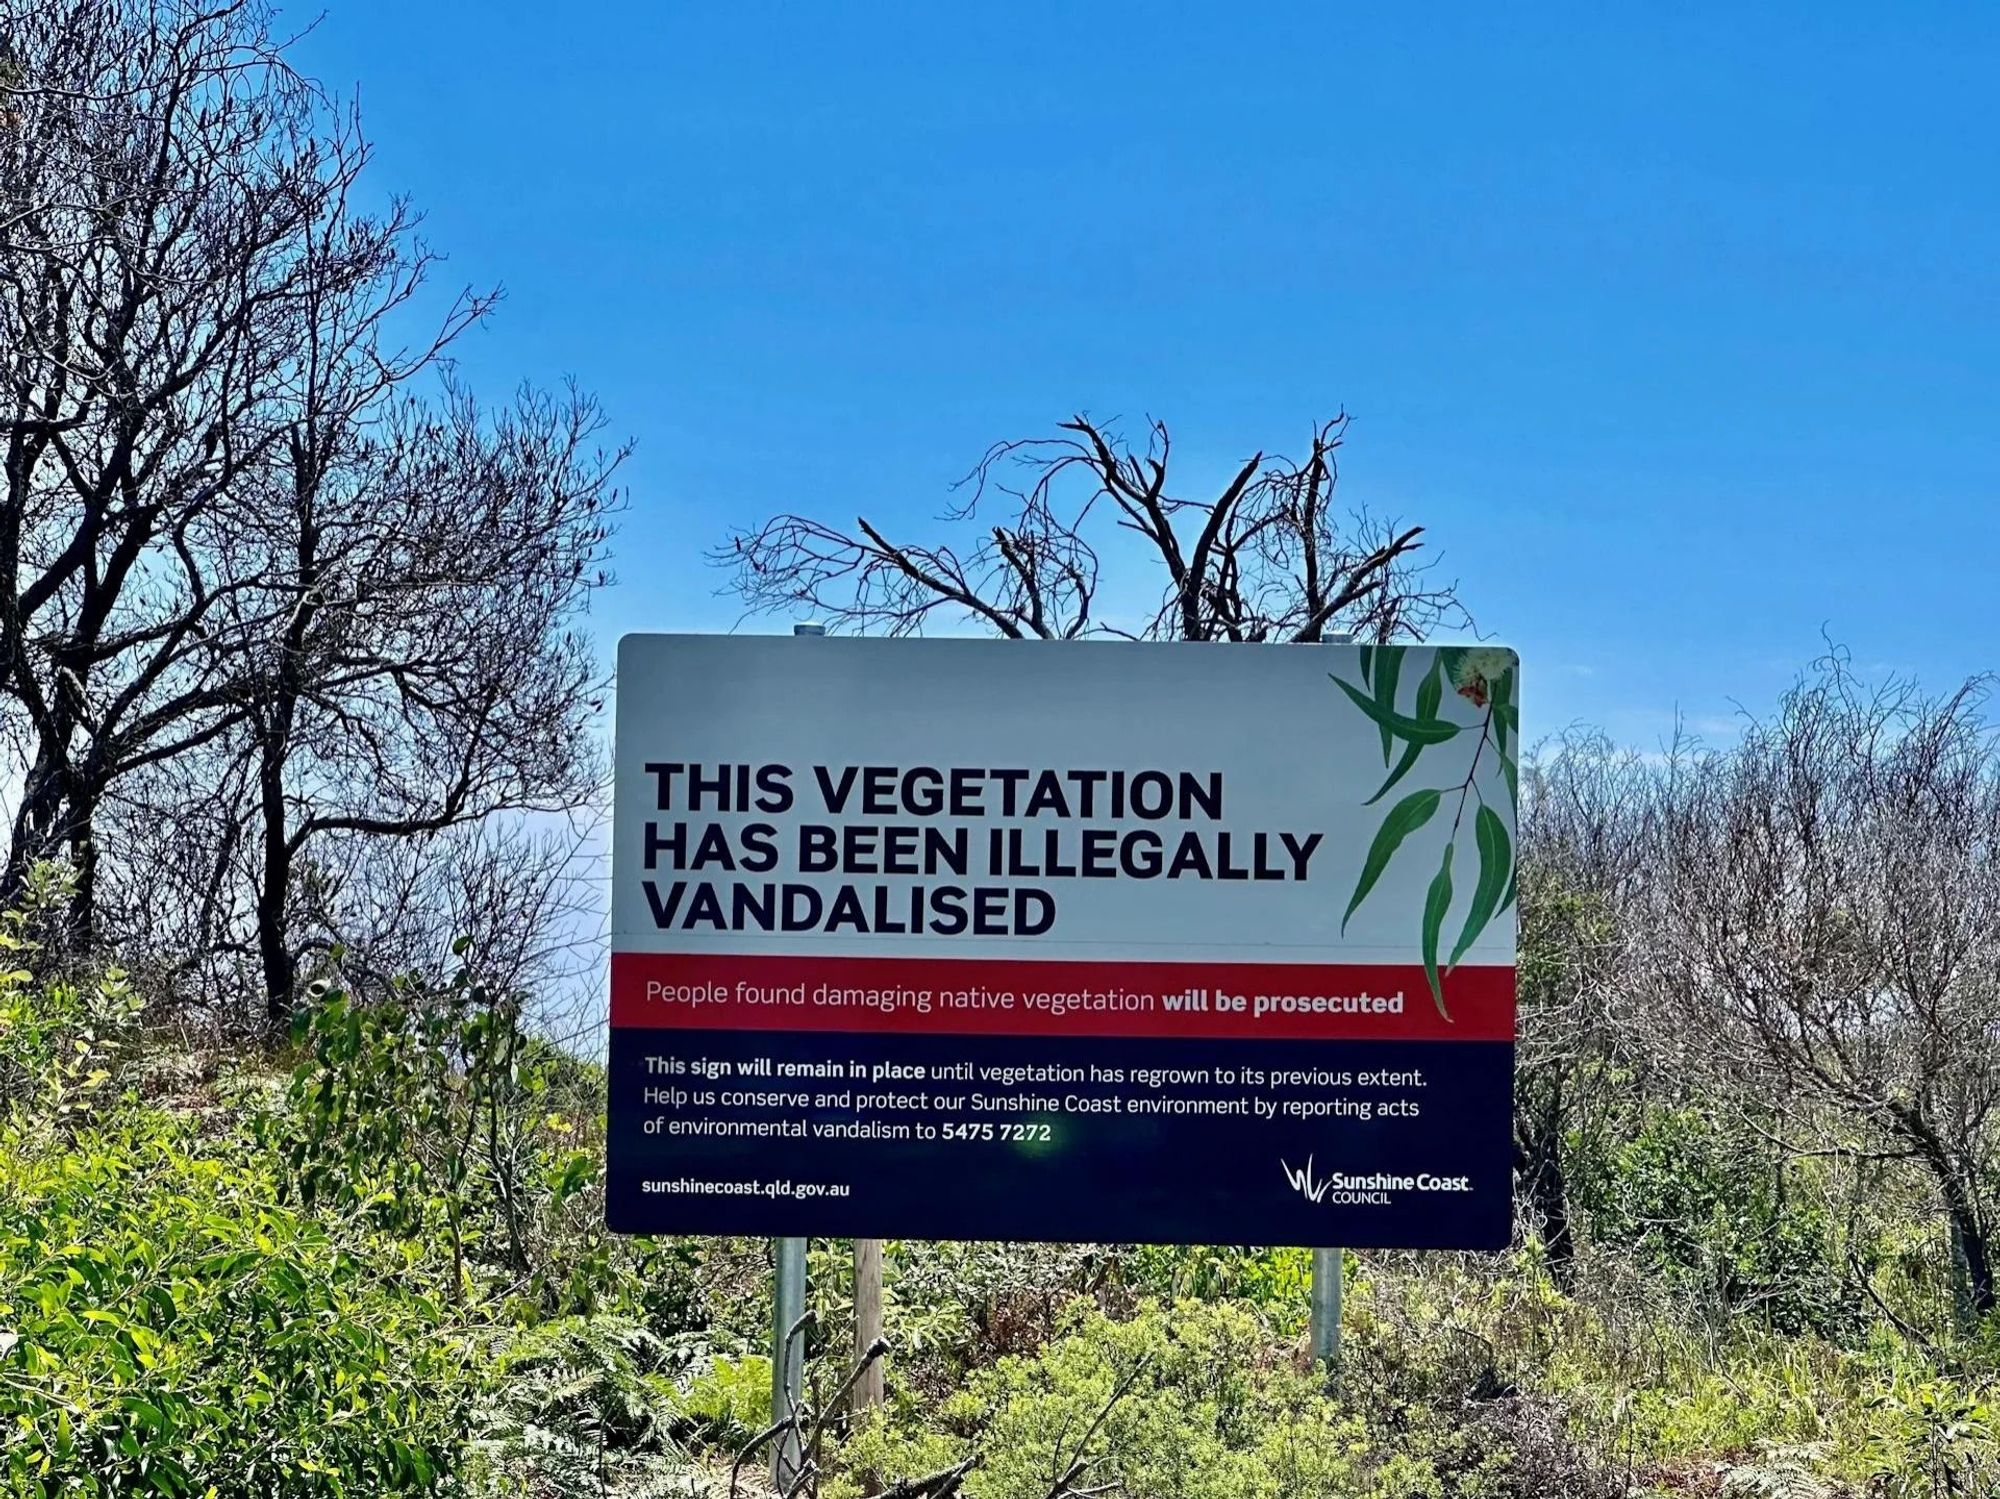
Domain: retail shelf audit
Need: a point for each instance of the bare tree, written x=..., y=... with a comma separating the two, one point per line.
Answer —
x=514, y=900
x=255, y=582
x=407, y=663
x=1268, y=558
x=175, y=210
x=426, y=669
x=1822, y=931
x=1584, y=859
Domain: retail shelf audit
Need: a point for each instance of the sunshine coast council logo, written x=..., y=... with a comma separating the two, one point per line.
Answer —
x=1303, y=1181
x=1372, y=1190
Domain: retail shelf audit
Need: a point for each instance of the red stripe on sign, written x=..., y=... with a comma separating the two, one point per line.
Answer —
x=1021, y=997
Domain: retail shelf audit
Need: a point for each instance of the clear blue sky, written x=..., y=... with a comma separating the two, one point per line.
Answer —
x=1678, y=326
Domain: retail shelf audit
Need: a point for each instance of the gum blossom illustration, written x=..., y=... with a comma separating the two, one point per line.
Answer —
x=1486, y=679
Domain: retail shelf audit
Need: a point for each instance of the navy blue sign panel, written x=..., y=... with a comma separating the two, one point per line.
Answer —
x=1070, y=1155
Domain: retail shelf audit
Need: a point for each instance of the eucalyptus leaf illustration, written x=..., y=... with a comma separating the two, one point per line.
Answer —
x=1506, y=722
x=1409, y=814
x=1430, y=694
x=1411, y=730
x=1388, y=676
x=1437, y=901
x=1485, y=677
x=1496, y=865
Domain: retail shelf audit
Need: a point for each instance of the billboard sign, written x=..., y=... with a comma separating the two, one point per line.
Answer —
x=1065, y=941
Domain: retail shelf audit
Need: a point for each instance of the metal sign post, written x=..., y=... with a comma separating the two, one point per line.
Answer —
x=788, y=1359
x=1326, y=1279
x=869, y=1387
x=788, y=1305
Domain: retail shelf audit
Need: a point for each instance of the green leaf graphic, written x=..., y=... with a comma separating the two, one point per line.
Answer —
x=1496, y=863
x=1508, y=899
x=1437, y=901
x=1416, y=731
x=1402, y=769
x=1506, y=716
x=1430, y=694
x=1367, y=662
x=1388, y=677
x=1409, y=814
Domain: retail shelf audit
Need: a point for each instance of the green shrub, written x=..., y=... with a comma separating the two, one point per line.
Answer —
x=1706, y=1209
x=428, y=1110
x=390, y=1277
x=1278, y=1282
x=957, y=1306
x=64, y=1042
x=169, y=1328
x=1180, y=1402
x=1933, y=1437
x=730, y=1401
x=579, y=1404
x=173, y=1331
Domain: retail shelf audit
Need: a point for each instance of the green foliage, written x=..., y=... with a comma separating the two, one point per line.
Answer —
x=730, y=1401
x=1780, y=1473
x=939, y=1297
x=1707, y=1210
x=1444, y=1369
x=169, y=1328
x=971, y=1303
x=659, y=1281
x=61, y=1042
x=387, y=1276
x=430, y=1110
x=1460, y=1377
x=185, y=1309
x=1182, y=1402
x=582, y=1406
x=1933, y=1437
x=1563, y=928
x=173, y=1331
x=602, y=1380
x=1277, y=1283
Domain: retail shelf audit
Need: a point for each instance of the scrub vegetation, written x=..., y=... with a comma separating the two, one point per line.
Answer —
x=372, y=1261
x=300, y=1175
